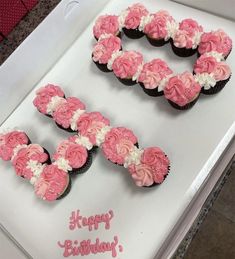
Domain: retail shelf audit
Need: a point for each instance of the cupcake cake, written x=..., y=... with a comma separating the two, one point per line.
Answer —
x=126, y=66
x=182, y=91
x=106, y=24
x=217, y=41
x=130, y=19
x=103, y=50
x=153, y=76
x=150, y=167
x=72, y=156
x=158, y=27
x=211, y=73
x=118, y=144
x=187, y=38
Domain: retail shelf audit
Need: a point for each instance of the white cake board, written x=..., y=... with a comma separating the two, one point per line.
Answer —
x=148, y=223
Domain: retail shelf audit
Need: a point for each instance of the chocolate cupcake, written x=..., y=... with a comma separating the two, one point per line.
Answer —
x=182, y=91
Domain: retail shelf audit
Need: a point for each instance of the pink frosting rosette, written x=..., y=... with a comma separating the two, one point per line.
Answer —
x=222, y=71
x=20, y=161
x=157, y=27
x=215, y=41
x=118, y=144
x=106, y=24
x=44, y=96
x=126, y=65
x=153, y=72
x=134, y=15
x=104, y=49
x=11, y=140
x=52, y=183
x=73, y=152
x=182, y=89
x=65, y=111
x=89, y=124
x=152, y=169
x=190, y=26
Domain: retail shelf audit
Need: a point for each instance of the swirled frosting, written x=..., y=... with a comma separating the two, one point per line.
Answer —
x=9, y=141
x=44, y=96
x=182, y=89
x=65, y=111
x=153, y=72
x=52, y=183
x=126, y=65
x=215, y=41
x=106, y=24
x=104, y=49
x=153, y=167
x=118, y=144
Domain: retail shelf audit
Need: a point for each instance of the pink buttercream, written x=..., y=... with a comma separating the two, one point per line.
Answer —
x=182, y=89
x=215, y=41
x=44, y=95
x=190, y=26
x=106, y=24
x=118, y=143
x=74, y=153
x=9, y=141
x=104, y=49
x=222, y=71
x=153, y=72
x=64, y=111
x=205, y=64
x=157, y=28
x=89, y=124
x=135, y=13
x=126, y=65
x=182, y=40
x=52, y=183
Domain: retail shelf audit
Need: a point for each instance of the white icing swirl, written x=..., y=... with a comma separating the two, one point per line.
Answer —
x=35, y=167
x=163, y=82
x=100, y=136
x=172, y=28
x=218, y=56
x=133, y=157
x=74, y=119
x=53, y=104
x=145, y=20
x=63, y=164
x=104, y=36
x=137, y=74
x=122, y=18
x=205, y=80
x=113, y=57
x=196, y=39
x=84, y=141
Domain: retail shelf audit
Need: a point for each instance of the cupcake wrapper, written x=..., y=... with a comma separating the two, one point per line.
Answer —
x=151, y=92
x=133, y=33
x=182, y=52
x=128, y=82
x=49, y=158
x=186, y=106
x=66, y=191
x=85, y=167
x=102, y=67
x=217, y=88
x=68, y=129
x=156, y=42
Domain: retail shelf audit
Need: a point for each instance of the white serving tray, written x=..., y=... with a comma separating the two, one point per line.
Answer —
x=148, y=223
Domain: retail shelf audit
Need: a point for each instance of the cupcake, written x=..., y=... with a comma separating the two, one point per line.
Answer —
x=153, y=75
x=106, y=24
x=72, y=157
x=90, y=124
x=130, y=20
x=65, y=112
x=118, y=143
x=103, y=50
x=47, y=98
x=186, y=39
x=151, y=167
x=127, y=66
x=28, y=160
x=211, y=73
x=217, y=41
x=158, y=27
x=10, y=142
x=52, y=184
x=182, y=91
